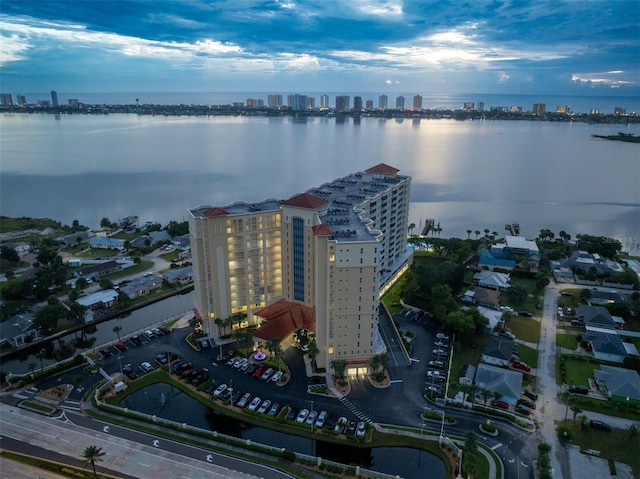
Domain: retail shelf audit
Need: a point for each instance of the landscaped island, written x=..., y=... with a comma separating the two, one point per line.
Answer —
x=628, y=137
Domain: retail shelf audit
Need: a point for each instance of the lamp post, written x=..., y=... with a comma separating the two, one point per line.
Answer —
x=311, y=414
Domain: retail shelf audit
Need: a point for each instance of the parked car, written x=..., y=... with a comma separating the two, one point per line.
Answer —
x=106, y=353
x=253, y=405
x=258, y=372
x=530, y=394
x=275, y=409
x=266, y=404
x=441, y=344
x=232, y=360
x=507, y=309
x=499, y=404
x=251, y=369
x=316, y=380
x=146, y=367
x=276, y=376
x=135, y=340
x=149, y=334
x=436, y=364
x=361, y=429
x=442, y=336
x=244, y=400
x=439, y=352
x=521, y=366
x=524, y=410
x=507, y=335
x=245, y=367
x=526, y=314
x=302, y=415
x=527, y=403
x=603, y=426
x=351, y=428
x=311, y=418
x=219, y=390
x=161, y=359
x=121, y=347
x=226, y=394
x=266, y=375
x=322, y=417
x=157, y=331
x=235, y=397
x=578, y=389
x=340, y=425
x=436, y=374
x=292, y=414
x=433, y=389
x=239, y=363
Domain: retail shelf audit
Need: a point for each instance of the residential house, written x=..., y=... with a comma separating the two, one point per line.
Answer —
x=492, y=280
x=606, y=346
x=619, y=384
x=498, y=352
x=141, y=286
x=106, y=242
x=595, y=317
x=487, y=298
x=98, y=270
x=467, y=374
x=22, y=247
x=98, y=300
x=582, y=261
x=600, y=298
x=516, y=245
x=74, y=238
x=182, y=242
x=504, y=381
x=178, y=275
x=494, y=317
x=15, y=330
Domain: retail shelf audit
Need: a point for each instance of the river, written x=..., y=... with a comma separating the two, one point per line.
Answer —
x=467, y=175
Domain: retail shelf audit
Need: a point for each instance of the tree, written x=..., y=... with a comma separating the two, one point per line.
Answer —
x=542, y=280
x=576, y=410
x=339, y=367
x=117, y=329
x=486, y=394
x=585, y=295
x=91, y=455
x=477, y=233
x=634, y=430
x=497, y=395
x=378, y=364
x=41, y=355
x=105, y=223
x=411, y=227
x=517, y=294
x=126, y=245
x=469, y=234
x=32, y=368
x=106, y=283
x=9, y=254
x=273, y=346
x=313, y=351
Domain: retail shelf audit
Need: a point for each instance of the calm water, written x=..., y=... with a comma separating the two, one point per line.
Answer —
x=167, y=402
x=466, y=175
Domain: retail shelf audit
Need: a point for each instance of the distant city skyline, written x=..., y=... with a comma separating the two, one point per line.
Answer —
x=525, y=47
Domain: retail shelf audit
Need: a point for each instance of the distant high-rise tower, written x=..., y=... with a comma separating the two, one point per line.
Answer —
x=342, y=102
x=539, y=108
x=382, y=102
x=54, y=98
x=564, y=109
x=417, y=102
x=619, y=111
x=468, y=106
x=357, y=103
x=274, y=101
x=6, y=99
x=400, y=103
x=324, y=101
x=21, y=99
x=311, y=102
x=480, y=106
x=297, y=102
x=369, y=105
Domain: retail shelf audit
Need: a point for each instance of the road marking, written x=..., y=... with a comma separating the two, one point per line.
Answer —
x=496, y=446
x=209, y=458
x=156, y=443
x=395, y=381
x=105, y=429
x=415, y=360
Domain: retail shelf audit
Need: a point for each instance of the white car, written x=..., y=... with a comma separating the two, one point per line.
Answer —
x=322, y=417
x=439, y=352
x=441, y=344
x=267, y=374
x=362, y=429
x=146, y=367
x=149, y=334
x=342, y=422
x=276, y=377
x=311, y=418
x=435, y=374
x=254, y=404
x=264, y=406
x=302, y=415
x=219, y=390
x=508, y=309
x=442, y=336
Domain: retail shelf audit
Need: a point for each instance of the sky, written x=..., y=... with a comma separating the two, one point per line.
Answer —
x=575, y=47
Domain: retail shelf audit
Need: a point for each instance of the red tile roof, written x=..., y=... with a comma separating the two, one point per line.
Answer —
x=383, y=169
x=305, y=200
x=284, y=318
x=322, y=230
x=215, y=211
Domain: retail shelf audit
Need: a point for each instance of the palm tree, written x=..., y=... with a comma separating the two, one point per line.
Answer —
x=497, y=395
x=32, y=367
x=41, y=355
x=486, y=394
x=469, y=234
x=576, y=410
x=219, y=322
x=117, y=329
x=339, y=366
x=91, y=455
x=273, y=346
x=477, y=233
x=411, y=227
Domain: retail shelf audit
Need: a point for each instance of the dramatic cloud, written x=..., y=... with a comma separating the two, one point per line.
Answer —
x=480, y=46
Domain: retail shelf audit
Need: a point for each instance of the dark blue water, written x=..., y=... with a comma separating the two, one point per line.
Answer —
x=164, y=401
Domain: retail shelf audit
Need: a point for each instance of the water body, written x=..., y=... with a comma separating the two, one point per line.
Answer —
x=467, y=175
x=164, y=401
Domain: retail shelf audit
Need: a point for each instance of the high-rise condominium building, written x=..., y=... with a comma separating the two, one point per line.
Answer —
x=324, y=101
x=297, y=102
x=369, y=105
x=316, y=261
x=539, y=108
x=342, y=102
x=54, y=98
x=311, y=102
x=468, y=106
x=417, y=102
x=21, y=99
x=480, y=106
x=274, y=100
x=400, y=103
x=357, y=103
x=6, y=99
x=382, y=102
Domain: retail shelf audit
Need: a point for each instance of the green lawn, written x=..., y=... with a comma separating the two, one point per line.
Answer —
x=578, y=371
x=526, y=329
x=93, y=253
x=464, y=356
x=615, y=445
x=566, y=341
x=528, y=355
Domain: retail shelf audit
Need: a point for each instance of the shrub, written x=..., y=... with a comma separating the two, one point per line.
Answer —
x=488, y=427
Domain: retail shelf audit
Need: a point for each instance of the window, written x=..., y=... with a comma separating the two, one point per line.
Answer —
x=298, y=259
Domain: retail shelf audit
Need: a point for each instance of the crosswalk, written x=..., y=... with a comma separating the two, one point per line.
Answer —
x=355, y=410
x=33, y=392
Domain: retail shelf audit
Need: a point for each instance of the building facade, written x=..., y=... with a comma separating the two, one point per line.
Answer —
x=331, y=251
x=417, y=102
x=399, y=103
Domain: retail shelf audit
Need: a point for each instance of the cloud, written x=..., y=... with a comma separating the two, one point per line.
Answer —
x=611, y=78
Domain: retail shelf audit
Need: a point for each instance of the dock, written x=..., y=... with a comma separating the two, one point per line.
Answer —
x=513, y=228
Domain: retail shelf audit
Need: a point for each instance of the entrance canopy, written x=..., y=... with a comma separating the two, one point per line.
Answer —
x=283, y=319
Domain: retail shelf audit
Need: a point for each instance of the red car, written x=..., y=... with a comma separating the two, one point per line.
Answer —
x=258, y=372
x=500, y=404
x=521, y=366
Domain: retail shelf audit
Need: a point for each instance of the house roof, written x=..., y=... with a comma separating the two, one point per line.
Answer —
x=505, y=381
x=496, y=348
x=383, y=169
x=620, y=381
x=283, y=318
x=488, y=296
x=98, y=268
x=178, y=273
x=104, y=296
x=492, y=279
x=305, y=200
x=215, y=211
x=605, y=343
x=595, y=316
x=322, y=230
